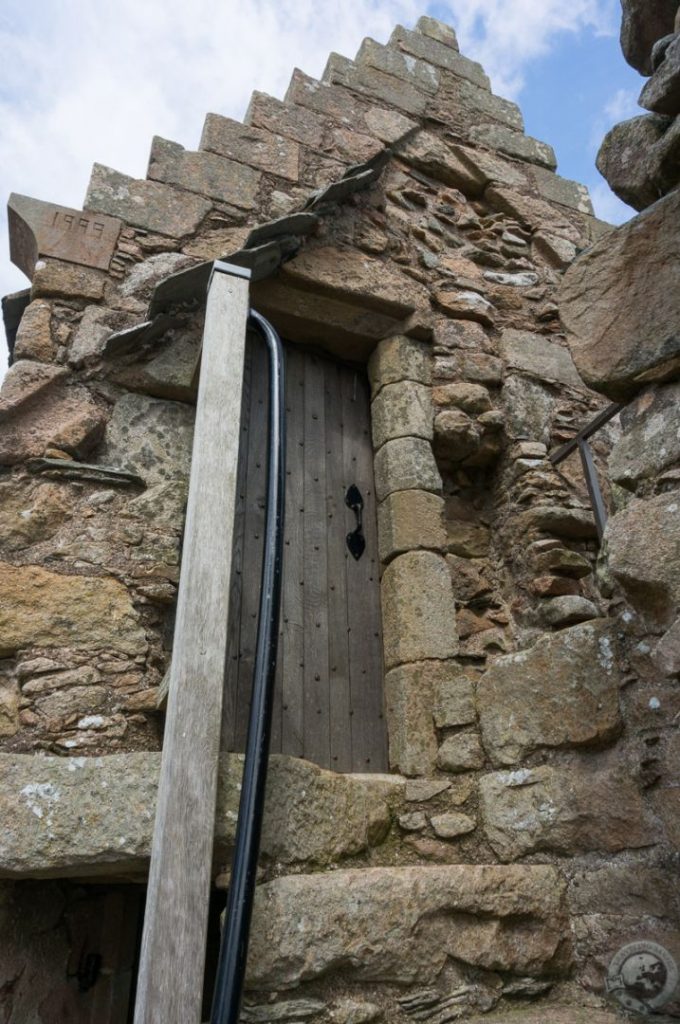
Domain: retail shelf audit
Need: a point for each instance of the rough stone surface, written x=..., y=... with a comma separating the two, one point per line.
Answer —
x=570, y=523
x=476, y=367
x=563, y=691
x=568, y=811
x=528, y=407
x=57, y=279
x=40, y=407
x=666, y=653
x=355, y=276
x=454, y=698
x=644, y=556
x=406, y=464
x=558, y=251
x=627, y=159
x=32, y=514
x=145, y=204
x=419, y=615
x=567, y=610
x=461, y=752
x=149, y=437
x=452, y=825
x=261, y=149
x=205, y=173
x=94, y=816
x=466, y=305
x=40, y=608
x=661, y=94
x=428, y=153
x=651, y=438
x=402, y=924
x=552, y=1014
x=398, y=359
x=89, y=338
x=389, y=60
x=409, y=520
x=401, y=410
x=34, y=336
x=503, y=140
x=643, y=24
x=408, y=701
x=440, y=53
x=619, y=304
x=538, y=356
x=419, y=697
x=559, y=190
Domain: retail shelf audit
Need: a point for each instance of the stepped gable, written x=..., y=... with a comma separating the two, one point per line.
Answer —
x=252, y=193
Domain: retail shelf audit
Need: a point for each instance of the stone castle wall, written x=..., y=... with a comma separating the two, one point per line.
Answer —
x=396, y=213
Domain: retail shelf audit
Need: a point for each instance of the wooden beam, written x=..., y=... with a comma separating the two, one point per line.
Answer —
x=170, y=982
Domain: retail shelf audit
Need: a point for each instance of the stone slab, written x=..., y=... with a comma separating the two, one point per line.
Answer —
x=419, y=613
x=409, y=520
x=562, y=692
x=401, y=410
x=399, y=359
x=150, y=437
x=661, y=93
x=644, y=556
x=441, y=54
x=567, y=810
x=357, y=278
x=263, y=150
x=145, y=204
x=514, y=144
x=45, y=229
x=538, y=356
x=619, y=303
x=391, y=61
x=94, y=816
x=347, y=110
x=402, y=924
x=406, y=464
x=643, y=24
x=205, y=173
x=651, y=438
x=368, y=81
x=46, y=609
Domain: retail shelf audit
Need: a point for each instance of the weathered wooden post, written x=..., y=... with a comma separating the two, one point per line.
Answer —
x=170, y=983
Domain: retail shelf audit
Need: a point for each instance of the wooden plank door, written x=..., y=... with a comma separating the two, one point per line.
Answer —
x=329, y=687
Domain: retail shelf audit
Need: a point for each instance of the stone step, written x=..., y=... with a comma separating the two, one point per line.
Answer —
x=548, y=1014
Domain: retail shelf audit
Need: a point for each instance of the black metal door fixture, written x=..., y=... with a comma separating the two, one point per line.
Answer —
x=356, y=542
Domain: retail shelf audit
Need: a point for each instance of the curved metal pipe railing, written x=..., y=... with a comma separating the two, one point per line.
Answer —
x=236, y=932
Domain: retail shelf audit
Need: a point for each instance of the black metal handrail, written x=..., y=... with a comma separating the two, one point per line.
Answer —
x=236, y=932
x=580, y=442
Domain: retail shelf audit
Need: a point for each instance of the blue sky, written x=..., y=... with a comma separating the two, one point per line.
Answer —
x=82, y=82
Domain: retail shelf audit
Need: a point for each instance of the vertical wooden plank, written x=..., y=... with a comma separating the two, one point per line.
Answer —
x=338, y=651
x=254, y=516
x=228, y=740
x=315, y=590
x=173, y=944
x=369, y=739
x=291, y=653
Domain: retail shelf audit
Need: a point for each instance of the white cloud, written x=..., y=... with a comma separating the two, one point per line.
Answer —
x=622, y=106
x=506, y=34
x=608, y=206
x=82, y=82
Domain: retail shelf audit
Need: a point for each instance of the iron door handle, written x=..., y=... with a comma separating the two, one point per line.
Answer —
x=356, y=542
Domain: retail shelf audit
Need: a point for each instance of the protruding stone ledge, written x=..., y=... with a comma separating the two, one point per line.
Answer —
x=81, y=817
x=44, y=229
